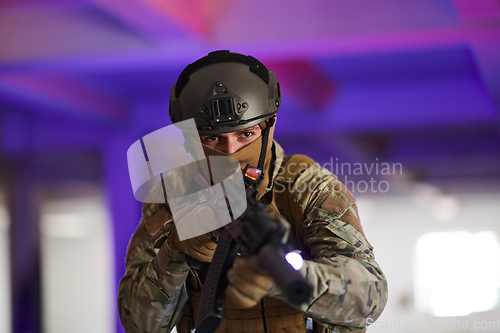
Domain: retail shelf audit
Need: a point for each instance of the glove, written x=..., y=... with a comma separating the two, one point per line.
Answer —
x=248, y=283
x=202, y=247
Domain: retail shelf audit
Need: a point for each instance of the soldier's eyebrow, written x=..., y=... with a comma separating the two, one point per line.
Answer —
x=250, y=129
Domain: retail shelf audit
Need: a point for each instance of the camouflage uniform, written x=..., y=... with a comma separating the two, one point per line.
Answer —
x=348, y=284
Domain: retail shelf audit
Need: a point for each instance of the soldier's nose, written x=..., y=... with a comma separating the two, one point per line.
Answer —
x=232, y=146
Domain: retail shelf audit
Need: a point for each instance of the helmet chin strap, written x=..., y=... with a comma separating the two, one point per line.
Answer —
x=263, y=148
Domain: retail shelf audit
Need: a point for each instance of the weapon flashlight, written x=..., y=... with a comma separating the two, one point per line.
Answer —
x=295, y=260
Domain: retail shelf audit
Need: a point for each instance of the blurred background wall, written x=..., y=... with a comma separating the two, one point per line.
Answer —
x=400, y=99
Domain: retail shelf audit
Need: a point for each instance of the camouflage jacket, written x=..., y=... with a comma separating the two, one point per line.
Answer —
x=348, y=284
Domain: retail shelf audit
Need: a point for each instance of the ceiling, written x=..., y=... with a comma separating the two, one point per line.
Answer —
x=415, y=82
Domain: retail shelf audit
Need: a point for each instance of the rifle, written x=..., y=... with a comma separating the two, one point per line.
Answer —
x=259, y=235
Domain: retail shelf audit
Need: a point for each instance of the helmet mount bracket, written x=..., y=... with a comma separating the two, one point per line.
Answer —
x=223, y=107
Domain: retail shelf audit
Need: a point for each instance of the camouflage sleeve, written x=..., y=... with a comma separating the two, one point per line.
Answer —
x=152, y=292
x=348, y=285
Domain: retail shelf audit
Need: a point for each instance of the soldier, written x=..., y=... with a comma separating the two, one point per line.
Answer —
x=233, y=99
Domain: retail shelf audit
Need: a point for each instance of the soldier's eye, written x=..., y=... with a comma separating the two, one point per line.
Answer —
x=247, y=134
x=211, y=138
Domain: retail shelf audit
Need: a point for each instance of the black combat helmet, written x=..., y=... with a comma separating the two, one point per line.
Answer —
x=225, y=92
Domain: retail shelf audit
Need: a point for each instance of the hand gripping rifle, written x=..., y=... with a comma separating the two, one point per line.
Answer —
x=259, y=235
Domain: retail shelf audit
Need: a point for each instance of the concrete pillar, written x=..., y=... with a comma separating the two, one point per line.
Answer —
x=125, y=211
x=23, y=206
